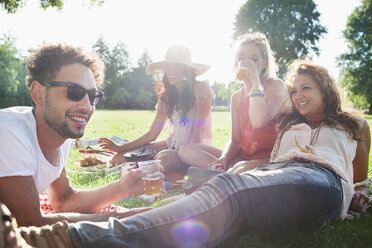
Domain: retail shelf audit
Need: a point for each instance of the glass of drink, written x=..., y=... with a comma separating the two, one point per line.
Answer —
x=243, y=71
x=152, y=182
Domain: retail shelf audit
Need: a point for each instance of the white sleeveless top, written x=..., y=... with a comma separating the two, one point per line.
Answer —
x=333, y=148
x=180, y=133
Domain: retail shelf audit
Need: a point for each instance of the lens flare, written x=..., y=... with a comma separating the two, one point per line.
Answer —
x=190, y=233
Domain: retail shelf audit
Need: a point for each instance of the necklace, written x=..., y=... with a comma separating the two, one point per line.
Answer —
x=307, y=149
x=315, y=121
x=316, y=134
x=310, y=148
x=314, y=124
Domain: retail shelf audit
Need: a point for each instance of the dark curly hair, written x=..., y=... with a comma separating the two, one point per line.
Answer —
x=44, y=63
x=334, y=116
x=169, y=94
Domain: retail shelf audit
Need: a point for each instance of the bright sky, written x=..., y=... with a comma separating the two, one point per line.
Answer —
x=205, y=26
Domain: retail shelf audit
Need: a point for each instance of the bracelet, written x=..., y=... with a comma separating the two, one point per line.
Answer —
x=254, y=93
x=366, y=183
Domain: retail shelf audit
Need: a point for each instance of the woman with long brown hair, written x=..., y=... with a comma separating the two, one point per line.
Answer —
x=184, y=101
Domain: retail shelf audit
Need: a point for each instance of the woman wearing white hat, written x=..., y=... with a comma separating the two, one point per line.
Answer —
x=184, y=101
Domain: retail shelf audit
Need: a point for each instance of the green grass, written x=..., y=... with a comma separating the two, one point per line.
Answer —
x=131, y=124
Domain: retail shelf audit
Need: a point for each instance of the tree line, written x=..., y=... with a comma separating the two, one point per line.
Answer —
x=126, y=86
x=293, y=28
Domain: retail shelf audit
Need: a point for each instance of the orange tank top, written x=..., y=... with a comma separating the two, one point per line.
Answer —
x=255, y=143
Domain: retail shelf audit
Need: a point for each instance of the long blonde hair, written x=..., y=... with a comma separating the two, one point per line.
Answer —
x=262, y=43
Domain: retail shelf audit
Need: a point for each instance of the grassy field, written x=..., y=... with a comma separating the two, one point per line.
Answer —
x=131, y=124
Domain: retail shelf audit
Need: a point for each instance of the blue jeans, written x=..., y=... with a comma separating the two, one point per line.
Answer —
x=283, y=195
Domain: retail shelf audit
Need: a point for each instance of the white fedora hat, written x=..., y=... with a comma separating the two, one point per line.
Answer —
x=177, y=54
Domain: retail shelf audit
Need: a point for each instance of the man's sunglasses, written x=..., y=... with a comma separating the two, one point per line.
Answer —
x=76, y=92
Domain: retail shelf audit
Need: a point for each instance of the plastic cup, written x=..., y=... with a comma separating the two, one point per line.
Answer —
x=152, y=182
x=243, y=72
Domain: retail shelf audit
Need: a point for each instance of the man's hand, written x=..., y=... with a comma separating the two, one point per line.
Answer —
x=132, y=182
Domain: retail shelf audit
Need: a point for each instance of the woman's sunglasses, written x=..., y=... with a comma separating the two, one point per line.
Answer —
x=76, y=92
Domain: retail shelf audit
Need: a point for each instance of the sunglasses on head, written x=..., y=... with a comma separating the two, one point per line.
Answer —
x=76, y=92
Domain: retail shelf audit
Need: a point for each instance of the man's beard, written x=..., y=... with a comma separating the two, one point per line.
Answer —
x=61, y=127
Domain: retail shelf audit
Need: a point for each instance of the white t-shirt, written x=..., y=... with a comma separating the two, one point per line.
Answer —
x=20, y=153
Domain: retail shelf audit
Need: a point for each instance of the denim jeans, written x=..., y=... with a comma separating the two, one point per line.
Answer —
x=284, y=195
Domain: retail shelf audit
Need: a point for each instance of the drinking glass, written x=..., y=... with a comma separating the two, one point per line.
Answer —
x=152, y=181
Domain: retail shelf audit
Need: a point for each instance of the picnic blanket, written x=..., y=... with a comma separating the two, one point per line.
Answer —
x=82, y=143
x=92, y=147
x=47, y=208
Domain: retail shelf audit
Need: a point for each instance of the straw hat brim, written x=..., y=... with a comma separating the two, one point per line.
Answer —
x=198, y=68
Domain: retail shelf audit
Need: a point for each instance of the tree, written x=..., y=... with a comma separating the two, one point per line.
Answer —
x=116, y=60
x=140, y=85
x=120, y=98
x=356, y=64
x=145, y=99
x=13, y=90
x=141, y=79
x=291, y=26
x=116, y=63
x=220, y=92
x=11, y=6
x=145, y=59
x=223, y=93
x=125, y=87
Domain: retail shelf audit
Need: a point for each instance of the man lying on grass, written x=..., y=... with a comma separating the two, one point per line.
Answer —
x=34, y=140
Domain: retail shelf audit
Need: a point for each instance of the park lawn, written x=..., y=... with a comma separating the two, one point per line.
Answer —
x=130, y=124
